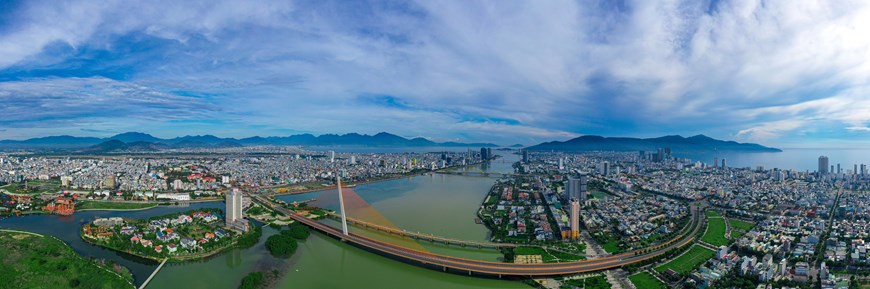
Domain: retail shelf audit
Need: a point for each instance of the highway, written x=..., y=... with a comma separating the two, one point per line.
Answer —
x=496, y=268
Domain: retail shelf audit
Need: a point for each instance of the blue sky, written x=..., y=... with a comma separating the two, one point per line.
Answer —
x=783, y=73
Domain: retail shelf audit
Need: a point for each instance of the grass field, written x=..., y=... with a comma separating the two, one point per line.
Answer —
x=646, y=281
x=715, y=234
x=548, y=256
x=741, y=225
x=92, y=205
x=739, y=228
x=689, y=261
x=29, y=261
x=611, y=246
x=712, y=214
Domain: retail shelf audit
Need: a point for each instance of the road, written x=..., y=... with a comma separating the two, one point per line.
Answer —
x=495, y=268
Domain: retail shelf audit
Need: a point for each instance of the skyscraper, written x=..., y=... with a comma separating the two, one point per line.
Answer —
x=724, y=164
x=575, y=219
x=823, y=165
x=525, y=156
x=604, y=168
x=576, y=187
x=234, y=214
x=715, y=162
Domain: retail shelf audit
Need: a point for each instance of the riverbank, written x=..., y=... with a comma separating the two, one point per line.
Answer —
x=88, y=205
x=401, y=176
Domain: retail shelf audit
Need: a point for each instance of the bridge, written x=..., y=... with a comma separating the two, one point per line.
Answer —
x=477, y=174
x=423, y=236
x=488, y=268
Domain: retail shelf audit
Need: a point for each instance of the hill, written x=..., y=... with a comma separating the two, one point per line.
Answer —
x=698, y=143
x=144, y=141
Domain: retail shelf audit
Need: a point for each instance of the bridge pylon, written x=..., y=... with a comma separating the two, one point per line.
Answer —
x=341, y=204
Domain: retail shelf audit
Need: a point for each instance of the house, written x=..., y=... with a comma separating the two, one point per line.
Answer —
x=188, y=243
x=171, y=248
x=158, y=248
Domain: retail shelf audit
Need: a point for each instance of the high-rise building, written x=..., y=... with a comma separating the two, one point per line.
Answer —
x=724, y=165
x=525, y=156
x=234, y=214
x=353, y=160
x=715, y=162
x=667, y=152
x=575, y=189
x=823, y=165
x=561, y=164
x=838, y=169
x=575, y=219
x=483, y=155
x=604, y=168
x=331, y=156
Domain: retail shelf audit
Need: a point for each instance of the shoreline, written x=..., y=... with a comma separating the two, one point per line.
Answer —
x=409, y=175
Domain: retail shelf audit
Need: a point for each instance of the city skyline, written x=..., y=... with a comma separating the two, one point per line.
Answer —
x=781, y=74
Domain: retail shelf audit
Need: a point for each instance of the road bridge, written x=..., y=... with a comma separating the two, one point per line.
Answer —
x=488, y=268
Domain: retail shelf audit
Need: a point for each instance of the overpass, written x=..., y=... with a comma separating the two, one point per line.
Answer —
x=488, y=268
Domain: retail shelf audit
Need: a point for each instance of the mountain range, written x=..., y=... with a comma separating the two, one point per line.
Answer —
x=144, y=141
x=698, y=143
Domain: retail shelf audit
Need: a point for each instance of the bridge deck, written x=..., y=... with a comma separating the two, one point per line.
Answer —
x=496, y=268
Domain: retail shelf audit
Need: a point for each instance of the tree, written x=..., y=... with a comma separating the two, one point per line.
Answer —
x=281, y=245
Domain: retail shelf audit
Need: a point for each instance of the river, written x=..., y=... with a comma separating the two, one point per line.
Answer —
x=444, y=205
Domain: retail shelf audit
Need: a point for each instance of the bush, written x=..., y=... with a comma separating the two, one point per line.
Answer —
x=299, y=232
x=254, y=280
x=281, y=245
x=250, y=238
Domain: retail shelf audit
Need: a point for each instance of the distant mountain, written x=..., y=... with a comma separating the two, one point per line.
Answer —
x=116, y=145
x=517, y=146
x=146, y=141
x=698, y=143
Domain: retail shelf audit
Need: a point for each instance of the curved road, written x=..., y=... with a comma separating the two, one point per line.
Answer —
x=497, y=268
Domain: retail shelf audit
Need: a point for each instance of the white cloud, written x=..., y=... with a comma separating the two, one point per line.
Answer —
x=763, y=70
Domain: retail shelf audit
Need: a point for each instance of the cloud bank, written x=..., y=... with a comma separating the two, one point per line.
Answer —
x=767, y=71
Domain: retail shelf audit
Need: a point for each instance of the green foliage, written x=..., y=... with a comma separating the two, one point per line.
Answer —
x=28, y=261
x=715, y=234
x=281, y=245
x=251, y=238
x=687, y=262
x=94, y=205
x=253, y=280
x=297, y=231
x=646, y=280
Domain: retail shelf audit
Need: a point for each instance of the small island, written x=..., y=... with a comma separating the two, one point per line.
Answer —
x=180, y=236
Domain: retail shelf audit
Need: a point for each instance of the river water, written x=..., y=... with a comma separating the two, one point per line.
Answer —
x=444, y=205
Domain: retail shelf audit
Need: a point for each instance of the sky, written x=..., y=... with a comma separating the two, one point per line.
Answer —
x=789, y=73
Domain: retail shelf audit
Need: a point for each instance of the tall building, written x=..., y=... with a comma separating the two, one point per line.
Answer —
x=331, y=156
x=575, y=219
x=525, y=156
x=724, y=165
x=235, y=217
x=838, y=169
x=823, y=165
x=604, y=168
x=576, y=187
x=483, y=155
x=715, y=162
x=561, y=164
